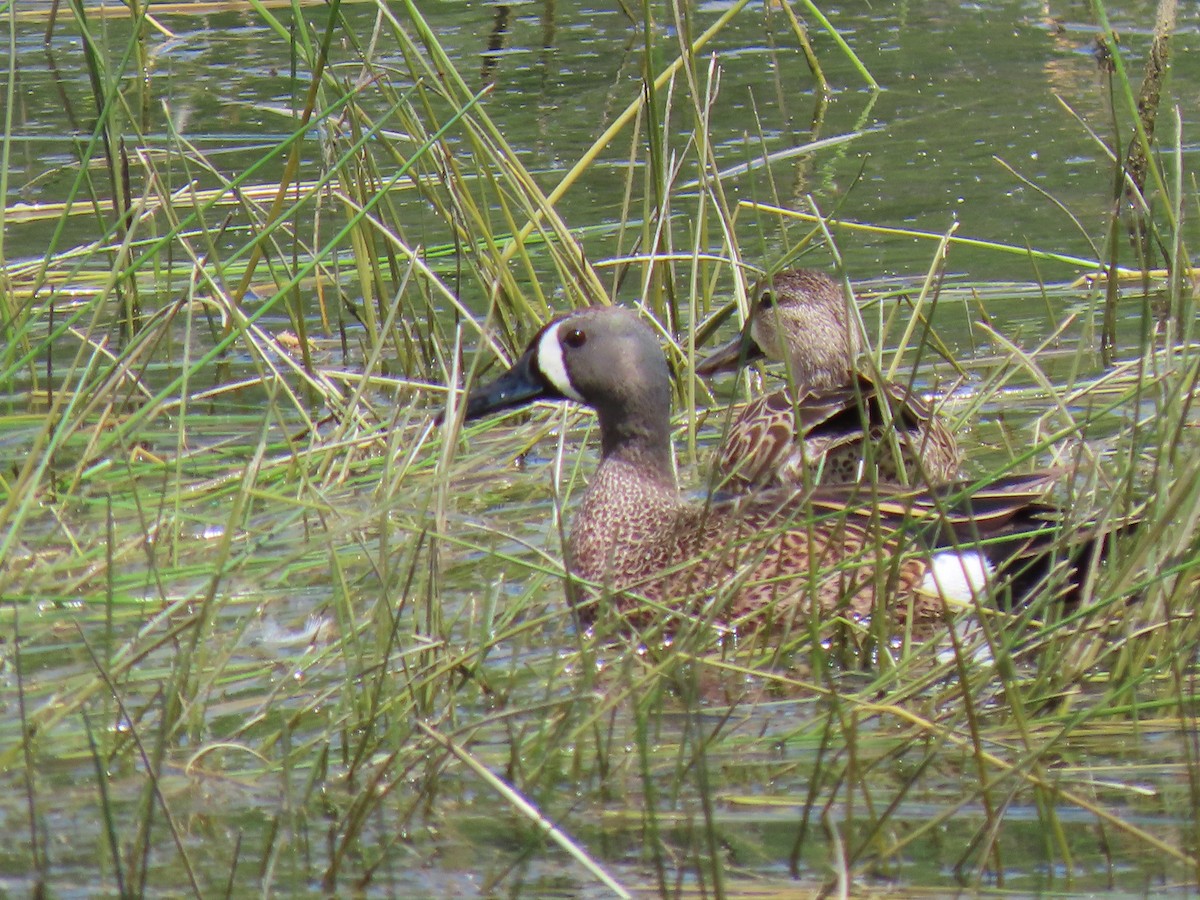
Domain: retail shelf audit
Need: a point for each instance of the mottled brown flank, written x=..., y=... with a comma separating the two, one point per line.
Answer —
x=835, y=443
x=764, y=555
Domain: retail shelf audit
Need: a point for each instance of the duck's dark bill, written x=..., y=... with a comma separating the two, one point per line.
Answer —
x=519, y=385
x=729, y=357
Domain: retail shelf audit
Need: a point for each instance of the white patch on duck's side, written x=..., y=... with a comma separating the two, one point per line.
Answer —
x=550, y=362
x=957, y=576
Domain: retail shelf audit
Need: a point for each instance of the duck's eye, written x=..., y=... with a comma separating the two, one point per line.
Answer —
x=766, y=300
x=575, y=338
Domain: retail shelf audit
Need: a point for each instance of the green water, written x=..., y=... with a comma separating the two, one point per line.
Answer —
x=962, y=91
x=333, y=611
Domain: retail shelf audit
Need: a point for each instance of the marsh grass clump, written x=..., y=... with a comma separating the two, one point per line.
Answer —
x=265, y=623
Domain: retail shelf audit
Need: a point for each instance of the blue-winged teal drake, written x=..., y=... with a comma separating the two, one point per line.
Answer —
x=771, y=555
x=836, y=425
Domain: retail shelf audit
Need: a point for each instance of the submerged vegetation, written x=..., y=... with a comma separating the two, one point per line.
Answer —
x=267, y=625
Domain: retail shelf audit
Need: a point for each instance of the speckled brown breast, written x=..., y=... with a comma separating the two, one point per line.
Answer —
x=769, y=559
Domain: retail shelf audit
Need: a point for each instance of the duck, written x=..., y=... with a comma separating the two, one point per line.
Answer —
x=764, y=559
x=833, y=424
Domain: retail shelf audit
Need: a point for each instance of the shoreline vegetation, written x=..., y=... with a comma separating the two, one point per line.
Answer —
x=267, y=626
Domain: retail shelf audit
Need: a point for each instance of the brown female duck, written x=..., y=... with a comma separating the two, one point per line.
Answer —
x=837, y=425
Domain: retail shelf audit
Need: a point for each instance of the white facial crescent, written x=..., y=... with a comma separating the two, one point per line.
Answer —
x=550, y=362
